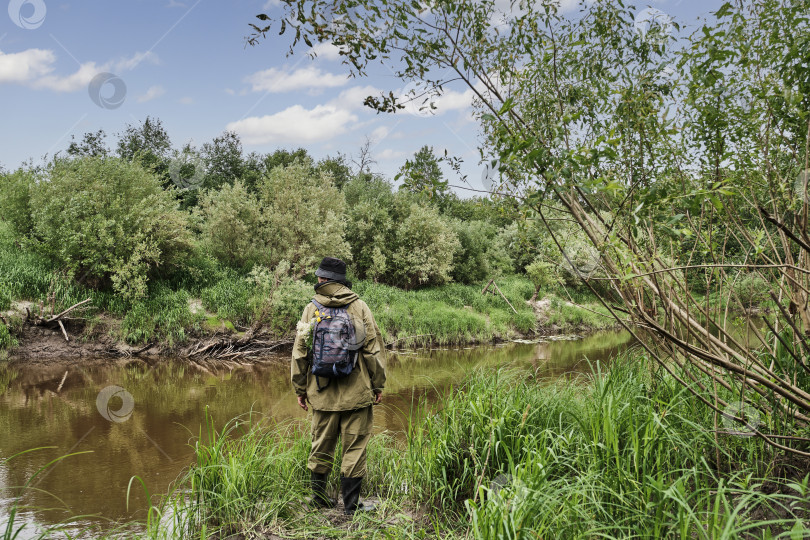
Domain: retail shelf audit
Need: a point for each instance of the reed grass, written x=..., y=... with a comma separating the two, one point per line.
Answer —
x=450, y=314
x=250, y=478
x=625, y=454
x=164, y=315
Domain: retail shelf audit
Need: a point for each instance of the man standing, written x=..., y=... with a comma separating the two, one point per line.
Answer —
x=341, y=407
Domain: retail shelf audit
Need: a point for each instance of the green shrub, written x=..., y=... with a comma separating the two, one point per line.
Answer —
x=230, y=298
x=15, y=199
x=199, y=271
x=472, y=260
x=425, y=244
x=751, y=288
x=304, y=216
x=399, y=241
x=233, y=226
x=23, y=275
x=542, y=274
x=370, y=234
x=289, y=301
x=108, y=220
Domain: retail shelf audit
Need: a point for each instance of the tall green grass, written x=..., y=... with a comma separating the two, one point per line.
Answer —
x=250, y=478
x=632, y=455
x=628, y=454
x=452, y=313
x=578, y=312
x=165, y=315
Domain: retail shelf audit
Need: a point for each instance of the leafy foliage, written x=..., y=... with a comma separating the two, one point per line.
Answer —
x=396, y=238
x=480, y=254
x=423, y=175
x=15, y=199
x=232, y=225
x=107, y=220
x=304, y=216
x=150, y=145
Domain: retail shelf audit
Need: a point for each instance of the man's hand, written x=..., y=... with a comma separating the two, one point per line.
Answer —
x=377, y=398
x=302, y=402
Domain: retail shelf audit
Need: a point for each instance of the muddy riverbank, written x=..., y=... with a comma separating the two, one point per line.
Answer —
x=78, y=339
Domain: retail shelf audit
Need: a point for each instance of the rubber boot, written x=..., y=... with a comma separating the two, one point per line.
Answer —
x=350, y=489
x=319, y=497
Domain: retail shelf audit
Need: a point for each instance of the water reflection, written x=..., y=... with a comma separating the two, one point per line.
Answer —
x=57, y=408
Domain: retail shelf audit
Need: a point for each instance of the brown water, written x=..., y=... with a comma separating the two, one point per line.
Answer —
x=166, y=404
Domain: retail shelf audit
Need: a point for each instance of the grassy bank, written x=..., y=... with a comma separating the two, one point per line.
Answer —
x=208, y=297
x=629, y=455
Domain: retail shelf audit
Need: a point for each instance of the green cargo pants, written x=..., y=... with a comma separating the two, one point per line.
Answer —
x=354, y=429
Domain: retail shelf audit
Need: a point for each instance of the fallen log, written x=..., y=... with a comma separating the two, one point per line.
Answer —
x=68, y=310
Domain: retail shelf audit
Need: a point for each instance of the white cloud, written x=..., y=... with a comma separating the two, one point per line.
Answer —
x=128, y=64
x=450, y=100
x=277, y=80
x=34, y=67
x=326, y=50
x=151, y=93
x=568, y=5
x=389, y=154
x=294, y=125
x=186, y=100
x=26, y=66
x=353, y=98
x=420, y=100
x=380, y=133
x=70, y=83
x=230, y=91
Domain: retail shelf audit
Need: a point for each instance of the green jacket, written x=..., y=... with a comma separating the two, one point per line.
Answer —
x=367, y=378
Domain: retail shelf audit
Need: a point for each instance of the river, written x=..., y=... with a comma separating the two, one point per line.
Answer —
x=116, y=420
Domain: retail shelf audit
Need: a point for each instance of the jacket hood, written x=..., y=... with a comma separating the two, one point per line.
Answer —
x=333, y=294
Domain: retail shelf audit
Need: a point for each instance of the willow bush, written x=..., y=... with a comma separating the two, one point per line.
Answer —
x=105, y=220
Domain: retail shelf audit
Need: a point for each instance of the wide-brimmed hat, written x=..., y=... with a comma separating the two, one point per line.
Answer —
x=332, y=268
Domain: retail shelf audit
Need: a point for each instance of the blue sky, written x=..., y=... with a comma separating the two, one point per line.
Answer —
x=186, y=63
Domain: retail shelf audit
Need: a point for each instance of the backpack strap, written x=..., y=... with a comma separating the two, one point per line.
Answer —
x=320, y=309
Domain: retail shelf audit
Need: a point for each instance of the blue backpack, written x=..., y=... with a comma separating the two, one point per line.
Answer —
x=335, y=343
